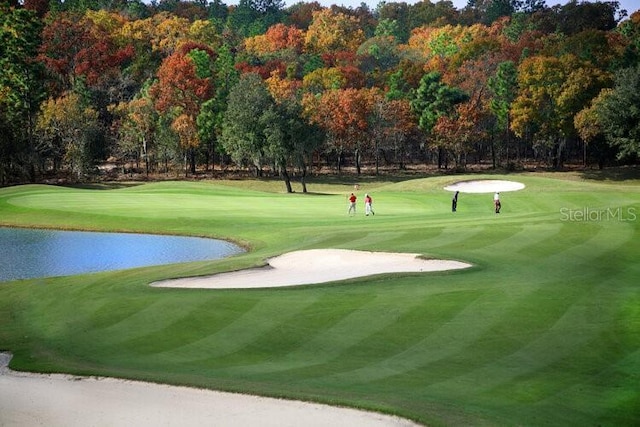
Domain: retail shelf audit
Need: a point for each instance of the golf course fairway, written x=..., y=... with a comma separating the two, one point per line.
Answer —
x=543, y=329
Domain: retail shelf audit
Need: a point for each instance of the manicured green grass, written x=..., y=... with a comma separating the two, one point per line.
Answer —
x=543, y=330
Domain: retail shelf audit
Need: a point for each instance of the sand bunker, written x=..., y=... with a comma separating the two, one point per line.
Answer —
x=485, y=186
x=64, y=400
x=69, y=401
x=315, y=266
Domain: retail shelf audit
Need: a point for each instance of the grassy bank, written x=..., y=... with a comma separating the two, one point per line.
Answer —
x=544, y=330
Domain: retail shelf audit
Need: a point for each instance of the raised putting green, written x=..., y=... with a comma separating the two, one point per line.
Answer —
x=543, y=330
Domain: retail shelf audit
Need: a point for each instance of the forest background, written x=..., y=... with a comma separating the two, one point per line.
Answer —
x=106, y=89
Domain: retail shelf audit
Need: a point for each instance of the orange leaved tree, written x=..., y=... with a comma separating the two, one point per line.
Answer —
x=184, y=84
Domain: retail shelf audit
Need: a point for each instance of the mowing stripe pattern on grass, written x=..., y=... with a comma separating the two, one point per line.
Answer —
x=544, y=329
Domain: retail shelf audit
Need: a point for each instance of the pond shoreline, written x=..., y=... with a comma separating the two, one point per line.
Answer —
x=30, y=253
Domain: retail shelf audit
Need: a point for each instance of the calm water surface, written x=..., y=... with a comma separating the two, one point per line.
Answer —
x=26, y=253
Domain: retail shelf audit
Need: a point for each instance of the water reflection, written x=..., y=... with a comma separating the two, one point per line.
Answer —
x=26, y=253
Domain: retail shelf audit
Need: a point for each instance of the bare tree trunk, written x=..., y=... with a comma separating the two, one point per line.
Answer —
x=192, y=160
x=493, y=151
x=287, y=180
x=186, y=169
x=377, y=157
x=302, y=179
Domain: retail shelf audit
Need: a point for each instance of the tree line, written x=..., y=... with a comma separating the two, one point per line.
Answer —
x=180, y=86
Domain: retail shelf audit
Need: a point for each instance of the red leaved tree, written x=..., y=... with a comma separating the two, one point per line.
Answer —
x=181, y=89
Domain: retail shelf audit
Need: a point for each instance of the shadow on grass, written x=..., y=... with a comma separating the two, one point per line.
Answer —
x=102, y=185
x=623, y=173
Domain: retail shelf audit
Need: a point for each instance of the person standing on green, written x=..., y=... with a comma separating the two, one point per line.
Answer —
x=368, y=208
x=352, y=204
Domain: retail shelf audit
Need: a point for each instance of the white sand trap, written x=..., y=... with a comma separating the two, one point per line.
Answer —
x=63, y=400
x=69, y=401
x=315, y=266
x=485, y=186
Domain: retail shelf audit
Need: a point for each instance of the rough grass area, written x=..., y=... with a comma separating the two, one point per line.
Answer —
x=544, y=330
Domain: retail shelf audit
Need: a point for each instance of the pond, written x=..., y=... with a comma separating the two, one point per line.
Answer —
x=27, y=253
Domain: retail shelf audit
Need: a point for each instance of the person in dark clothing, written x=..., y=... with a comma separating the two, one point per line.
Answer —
x=454, y=202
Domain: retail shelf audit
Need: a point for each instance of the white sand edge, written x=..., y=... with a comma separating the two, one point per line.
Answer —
x=62, y=400
x=485, y=186
x=315, y=266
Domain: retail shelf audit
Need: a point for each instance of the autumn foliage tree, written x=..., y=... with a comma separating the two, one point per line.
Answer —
x=184, y=84
x=590, y=128
x=333, y=32
x=85, y=47
x=66, y=126
x=391, y=125
x=344, y=114
x=136, y=124
x=552, y=91
x=499, y=76
x=278, y=37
